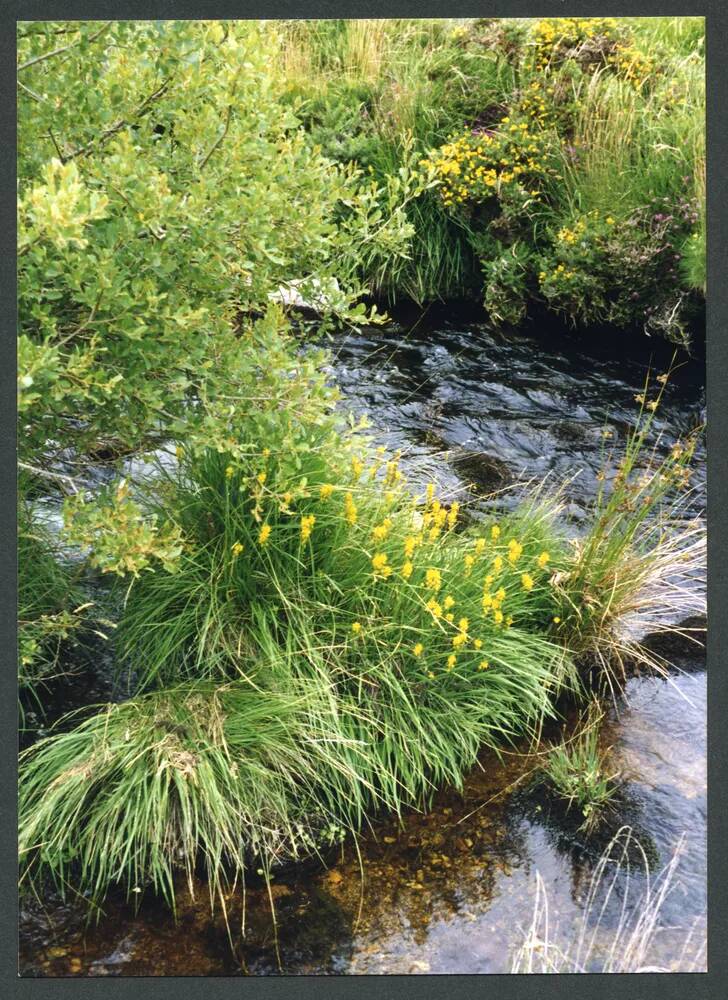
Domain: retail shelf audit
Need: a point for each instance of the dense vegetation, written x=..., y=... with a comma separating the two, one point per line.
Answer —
x=568, y=155
x=306, y=639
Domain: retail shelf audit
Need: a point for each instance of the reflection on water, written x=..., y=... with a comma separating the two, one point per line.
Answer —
x=451, y=890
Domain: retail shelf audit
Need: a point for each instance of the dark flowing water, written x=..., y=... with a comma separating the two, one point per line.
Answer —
x=453, y=890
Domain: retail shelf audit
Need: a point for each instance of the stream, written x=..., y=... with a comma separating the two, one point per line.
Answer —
x=452, y=890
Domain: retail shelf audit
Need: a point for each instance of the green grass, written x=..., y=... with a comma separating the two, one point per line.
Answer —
x=577, y=772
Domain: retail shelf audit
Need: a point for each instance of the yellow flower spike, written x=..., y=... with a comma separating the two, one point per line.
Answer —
x=350, y=513
x=498, y=616
x=479, y=546
x=379, y=565
x=261, y=477
x=543, y=559
x=380, y=532
x=407, y=570
x=434, y=607
x=495, y=532
x=410, y=544
x=264, y=534
x=451, y=661
x=430, y=492
x=652, y=405
x=430, y=675
x=357, y=466
x=478, y=643
x=527, y=581
x=483, y=665
x=453, y=514
x=514, y=550
x=500, y=595
x=236, y=549
x=325, y=491
x=469, y=562
x=450, y=617
x=229, y=472
x=307, y=523
x=266, y=452
x=459, y=640
x=463, y=624
x=448, y=602
x=433, y=580
x=356, y=627
x=418, y=649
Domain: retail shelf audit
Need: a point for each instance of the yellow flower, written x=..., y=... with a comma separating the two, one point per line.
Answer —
x=237, y=549
x=307, y=523
x=498, y=564
x=478, y=643
x=379, y=561
x=434, y=607
x=229, y=472
x=407, y=570
x=410, y=544
x=266, y=452
x=453, y=514
x=356, y=627
x=483, y=665
x=495, y=532
x=497, y=617
x=451, y=661
x=556, y=620
x=325, y=491
x=449, y=617
x=479, y=546
x=357, y=466
x=652, y=405
x=380, y=532
x=609, y=220
x=264, y=534
x=543, y=559
x=514, y=550
x=448, y=603
x=463, y=624
x=433, y=580
x=469, y=561
x=418, y=649
x=261, y=477
x=350, y=509
x=527, y=581
x=459, y=640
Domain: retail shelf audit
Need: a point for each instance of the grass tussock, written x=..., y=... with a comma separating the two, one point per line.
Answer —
x=344, y=647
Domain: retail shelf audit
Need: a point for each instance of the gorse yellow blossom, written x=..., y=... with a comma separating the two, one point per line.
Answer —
x=433, y=580
x=451, y=661
x=325, y=491
x=307, y=523
x=407, y=568
x=264, y=534
x=527, y=581
x=434, y=607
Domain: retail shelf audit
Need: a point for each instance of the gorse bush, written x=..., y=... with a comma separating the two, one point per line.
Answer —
x=526, y=126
